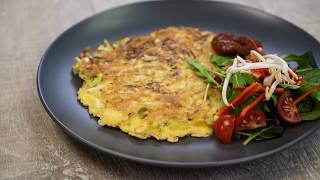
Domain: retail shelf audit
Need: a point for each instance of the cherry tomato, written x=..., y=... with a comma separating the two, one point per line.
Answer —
x=224, y=127
x=232, y=45
x=287, y=110
x=253, y=119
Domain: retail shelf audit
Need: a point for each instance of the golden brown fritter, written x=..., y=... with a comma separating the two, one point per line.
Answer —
x=144, y=85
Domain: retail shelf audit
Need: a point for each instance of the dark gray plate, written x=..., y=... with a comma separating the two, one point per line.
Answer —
x=57, y=86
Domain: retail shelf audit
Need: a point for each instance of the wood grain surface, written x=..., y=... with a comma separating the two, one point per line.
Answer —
x=32, y=146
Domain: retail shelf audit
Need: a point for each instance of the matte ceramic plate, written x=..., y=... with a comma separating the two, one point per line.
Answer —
x=57, y=86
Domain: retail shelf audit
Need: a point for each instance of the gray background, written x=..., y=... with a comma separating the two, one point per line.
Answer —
x=33, y=147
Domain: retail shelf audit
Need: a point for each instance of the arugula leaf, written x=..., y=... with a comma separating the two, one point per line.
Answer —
x=303, y=60
x=261, y=134
x=202, y=71
x=205, y=71
x=220, y=60
x=218, y=71
x=311, y=79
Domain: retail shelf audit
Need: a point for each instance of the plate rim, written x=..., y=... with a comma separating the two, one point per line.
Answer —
x=150, y=161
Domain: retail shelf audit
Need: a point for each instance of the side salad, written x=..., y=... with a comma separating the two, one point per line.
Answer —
x=262, y=93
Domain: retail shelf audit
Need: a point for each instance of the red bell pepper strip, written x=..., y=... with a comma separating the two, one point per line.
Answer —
x=300, y=98
x=277, y=90
x=252, y=105
x=247, y=93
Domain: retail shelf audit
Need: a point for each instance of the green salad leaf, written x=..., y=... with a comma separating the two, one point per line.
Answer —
x=306, y=105
x=313, y=114
x=239, y=79
x=220, y=60
x=206, y=72
x=311, y=78
x=261, y=134
x=303, y=60
x=202, y=71
x=309, y=108
x=303, y=69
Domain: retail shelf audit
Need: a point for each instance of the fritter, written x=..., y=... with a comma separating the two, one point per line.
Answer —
x=144, y=85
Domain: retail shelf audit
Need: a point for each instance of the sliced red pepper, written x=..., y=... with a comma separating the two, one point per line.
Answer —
x=247, y=93
x=238, y=88
x=277, y=90
x=252, y=105
x=300, y=98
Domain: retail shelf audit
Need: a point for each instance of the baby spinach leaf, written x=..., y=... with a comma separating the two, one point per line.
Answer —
x=312, y=115
x=303, y=60
x=220, y=60
x=305, y=105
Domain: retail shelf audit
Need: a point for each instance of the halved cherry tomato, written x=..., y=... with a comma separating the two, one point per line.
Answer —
x=287, y=110
x=224, y=127
x=254, y=119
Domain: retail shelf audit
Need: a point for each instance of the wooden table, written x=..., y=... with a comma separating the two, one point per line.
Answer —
x=32, y=146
